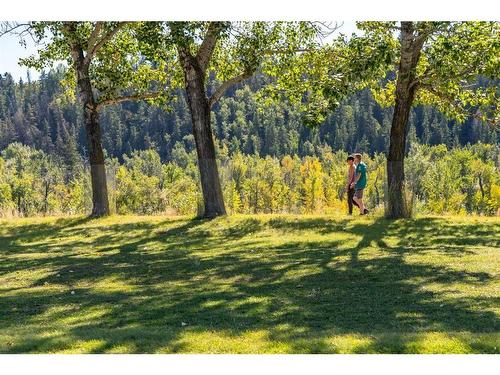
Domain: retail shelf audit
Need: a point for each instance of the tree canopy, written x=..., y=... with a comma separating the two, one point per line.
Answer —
x=116, y=55
x=453, y=55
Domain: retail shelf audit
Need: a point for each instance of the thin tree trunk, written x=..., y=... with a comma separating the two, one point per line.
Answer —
x=256, y=199
x=202, y=131
x=46, y=198
x=481, y=186
x=377, y=193
x=100, y=203
x=405, y=93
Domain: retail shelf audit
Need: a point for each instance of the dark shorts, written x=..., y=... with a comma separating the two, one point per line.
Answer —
x=358, y=193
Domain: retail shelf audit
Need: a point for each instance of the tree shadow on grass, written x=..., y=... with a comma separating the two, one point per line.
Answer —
x=299, y=292
x=26, y=233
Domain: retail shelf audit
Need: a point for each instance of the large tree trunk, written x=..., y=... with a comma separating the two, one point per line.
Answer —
x=405, y=93
x=200, y=114
x=100, y=203
x=396, y=205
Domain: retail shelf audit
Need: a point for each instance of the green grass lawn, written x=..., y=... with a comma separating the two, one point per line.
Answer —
x=250, y=284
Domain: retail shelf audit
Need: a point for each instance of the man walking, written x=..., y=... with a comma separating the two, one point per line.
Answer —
x=350, y=179
x=359, y=183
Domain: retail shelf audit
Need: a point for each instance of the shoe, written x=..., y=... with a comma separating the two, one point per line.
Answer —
x=365, y=212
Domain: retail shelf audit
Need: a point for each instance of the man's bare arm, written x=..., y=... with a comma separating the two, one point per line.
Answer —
x=356, y=178
x=350, y=174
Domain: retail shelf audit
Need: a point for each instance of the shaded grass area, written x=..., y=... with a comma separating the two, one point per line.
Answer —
x=250, y=284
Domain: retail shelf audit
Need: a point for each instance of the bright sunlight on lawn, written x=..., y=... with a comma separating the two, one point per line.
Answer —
x=250, y=284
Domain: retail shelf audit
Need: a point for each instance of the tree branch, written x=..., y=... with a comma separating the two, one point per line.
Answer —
x=219, y=92
x=426, y=75
x=106, y=38
x=325, y=29
x=93, y=37
x=9, y=28
x=185, y=56
x=271, y=52
x=491, y=121
x=423, y=36
x=454, y=103
x=12, y=28
x=126, y=98
x=427, y=32
x=207, y=47
x=69, y=30
x=435, y=92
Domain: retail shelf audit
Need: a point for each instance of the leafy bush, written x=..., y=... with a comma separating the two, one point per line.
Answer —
x=438, y=180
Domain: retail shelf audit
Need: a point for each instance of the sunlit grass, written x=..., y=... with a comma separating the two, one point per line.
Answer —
x=250, y=284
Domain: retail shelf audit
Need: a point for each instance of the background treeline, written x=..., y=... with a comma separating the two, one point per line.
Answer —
x=39, y=114
x=460, y=180
x=269, y=161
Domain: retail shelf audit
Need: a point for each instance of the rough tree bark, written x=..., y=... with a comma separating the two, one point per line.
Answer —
x=194, y=76
x=406, y=86
x=82, y=54
x=195, y=68
x=100, y=203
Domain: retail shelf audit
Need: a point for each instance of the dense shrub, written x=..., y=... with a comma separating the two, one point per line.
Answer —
x=438, y=180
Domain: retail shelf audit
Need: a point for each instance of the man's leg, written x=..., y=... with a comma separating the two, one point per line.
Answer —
x=361, y=206
x=353, y=201
x=359, y=203
x=350, y=200
x=350, y=195
x=358, y=198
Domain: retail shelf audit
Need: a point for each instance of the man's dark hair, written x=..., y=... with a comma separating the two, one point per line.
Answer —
x=350, y=157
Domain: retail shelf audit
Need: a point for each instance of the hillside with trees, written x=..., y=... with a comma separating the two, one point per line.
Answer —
x=270, y=162
x=199, y=95
x=40, y=115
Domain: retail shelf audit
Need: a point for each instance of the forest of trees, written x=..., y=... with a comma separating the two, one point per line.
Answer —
x=457, y=181
x=269, y=90
x=269, y=161
x=39, y=114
